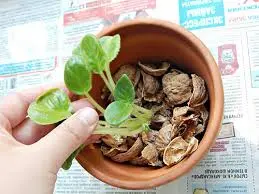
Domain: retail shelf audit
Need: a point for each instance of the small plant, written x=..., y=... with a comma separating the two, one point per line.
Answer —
x=93, y=56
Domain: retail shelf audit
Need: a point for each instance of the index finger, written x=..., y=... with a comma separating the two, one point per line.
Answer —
x=13, y=107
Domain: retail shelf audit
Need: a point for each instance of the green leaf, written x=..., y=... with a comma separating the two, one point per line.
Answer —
x=77, y=51
x=80, y=54
x=67, y=164
x=111, y=46
x=51, y=107
x=77, y=76
x=124, y=90
x=92, y=53
x=117, y=112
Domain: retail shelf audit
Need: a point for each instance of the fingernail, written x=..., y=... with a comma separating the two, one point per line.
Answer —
x=88, y=116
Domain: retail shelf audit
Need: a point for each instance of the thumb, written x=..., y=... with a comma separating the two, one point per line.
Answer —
x=68, y=136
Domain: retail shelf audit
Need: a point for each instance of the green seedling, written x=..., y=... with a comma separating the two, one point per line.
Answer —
x=93, y=56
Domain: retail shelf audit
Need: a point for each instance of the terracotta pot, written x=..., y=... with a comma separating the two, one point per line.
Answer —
x=156, y=40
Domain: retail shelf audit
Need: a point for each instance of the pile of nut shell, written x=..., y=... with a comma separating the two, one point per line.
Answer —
x=177, y=100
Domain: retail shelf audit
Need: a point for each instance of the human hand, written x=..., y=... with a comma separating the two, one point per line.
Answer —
x=30, y=154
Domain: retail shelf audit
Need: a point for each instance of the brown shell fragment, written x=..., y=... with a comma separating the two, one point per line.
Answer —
x=150, y=83
x=140, y=90
x=158, y=118
x=148, y=105
x=182, y=124
x=167, y=102
x=132, y=71
x=153, y=70
x=182, y=116
x=139, y=161
x=164, y=137
x=175, y=71
x=113, y=141
x=149, y=137
x=166, y=110
x=162, y=109
x=175, y=151
x=178, y=88
x=131, y=153
x=111, y=152
x=199, y=129
x=130, y=140
x=193, y=145
x=122, y=148
x=189, y=133
x=165, y=123
x=138, y=101
x=157, y=121
x=151, y=155
x=178, y=149
x=162, y=114
x=199, y=95
x=137, y=78
x=158, y=97
x=181, y=129
x=180, y=111
x=204, y=114
x=156, y=108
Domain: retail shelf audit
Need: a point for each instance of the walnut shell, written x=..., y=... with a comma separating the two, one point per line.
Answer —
x=150, y=153
x=164, y=137
x=132, y=71
x=153, y=70
x=113, y=141
x=199, y=95
x=180, y=111
x=150, y=83
x=111, y=152
x=158, y=97
x=131, y=153
x=178, y=88
x=149, y=137
x=139, y=161
x=178, y=149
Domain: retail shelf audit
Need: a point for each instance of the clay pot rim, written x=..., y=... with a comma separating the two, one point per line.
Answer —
x=215, y=119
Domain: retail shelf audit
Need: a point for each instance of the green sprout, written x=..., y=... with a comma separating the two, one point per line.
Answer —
x=93, y=56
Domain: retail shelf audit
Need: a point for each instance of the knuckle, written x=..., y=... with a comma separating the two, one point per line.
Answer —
x=70, y=130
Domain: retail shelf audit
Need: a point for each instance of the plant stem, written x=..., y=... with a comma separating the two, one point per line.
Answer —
x=94, y=103
x=147, y=112
x=116, y=131
x=139, y=115
x=132, y=124
x=103, y=123
x=109, y=75
x=107, y=82
x=141, y=109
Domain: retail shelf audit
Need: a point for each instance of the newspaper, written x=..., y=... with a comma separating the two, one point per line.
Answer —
x=36, y=38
